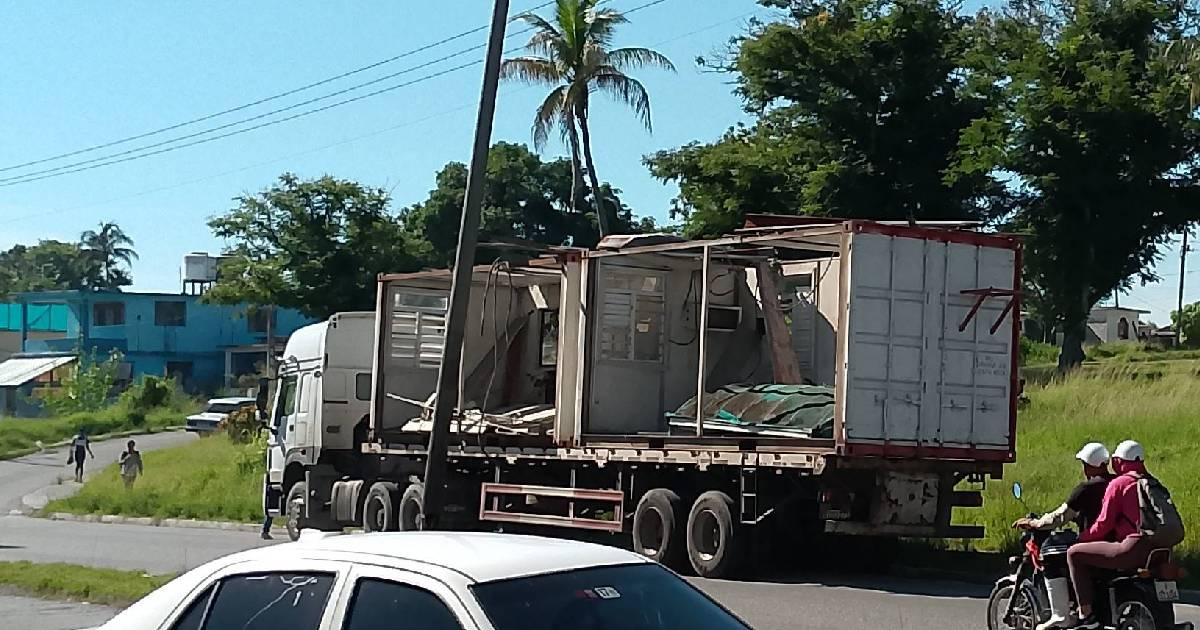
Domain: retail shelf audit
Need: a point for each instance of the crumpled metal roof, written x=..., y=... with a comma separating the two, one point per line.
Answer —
x=20, y=370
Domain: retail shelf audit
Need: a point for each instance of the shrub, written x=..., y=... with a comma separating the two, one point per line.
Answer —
x=86, y=386
x=1037, y=353
x=149, y=392
x=242, y=426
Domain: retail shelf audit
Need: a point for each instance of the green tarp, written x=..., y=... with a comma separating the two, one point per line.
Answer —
x=800, y=410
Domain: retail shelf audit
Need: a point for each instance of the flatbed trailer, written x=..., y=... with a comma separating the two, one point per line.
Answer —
x=697, y=397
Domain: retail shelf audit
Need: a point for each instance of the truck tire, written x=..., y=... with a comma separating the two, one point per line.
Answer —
x=379, y=508
x=293, y=509
x=712, y=539
x=657, y=531
x=412, y=505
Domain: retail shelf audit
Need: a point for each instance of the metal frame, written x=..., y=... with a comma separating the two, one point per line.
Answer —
x=494, y=491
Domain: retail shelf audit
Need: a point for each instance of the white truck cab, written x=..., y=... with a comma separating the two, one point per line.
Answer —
x=322, y=394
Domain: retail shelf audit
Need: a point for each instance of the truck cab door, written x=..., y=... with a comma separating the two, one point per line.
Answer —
x=282, y=425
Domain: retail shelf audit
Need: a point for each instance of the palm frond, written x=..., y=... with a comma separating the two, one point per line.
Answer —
x=554, y=112
x=532, y=70
x=632, y=58
x=602, y=23
x=539, y=24
x=627, y=90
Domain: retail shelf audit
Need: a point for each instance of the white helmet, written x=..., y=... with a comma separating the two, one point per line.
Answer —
x=1093, y=454
x=1130, y=451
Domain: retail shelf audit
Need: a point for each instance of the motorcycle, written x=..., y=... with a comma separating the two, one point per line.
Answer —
x=1143, y=599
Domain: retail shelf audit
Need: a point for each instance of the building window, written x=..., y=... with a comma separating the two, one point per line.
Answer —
x=170, y=313
x=418, y=328
x=108, y=314
x=181, y=371
x=1123, y=329
x=257, y=318
x=632, y=318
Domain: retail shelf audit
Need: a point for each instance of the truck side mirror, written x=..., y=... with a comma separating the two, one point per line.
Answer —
x=260, y=399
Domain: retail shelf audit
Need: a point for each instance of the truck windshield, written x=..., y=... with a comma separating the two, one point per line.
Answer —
x=630, y=597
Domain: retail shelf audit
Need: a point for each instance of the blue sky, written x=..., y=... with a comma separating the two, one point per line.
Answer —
x=81, y=73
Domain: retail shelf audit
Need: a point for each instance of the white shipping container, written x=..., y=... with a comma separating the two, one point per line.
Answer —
x=927, y=355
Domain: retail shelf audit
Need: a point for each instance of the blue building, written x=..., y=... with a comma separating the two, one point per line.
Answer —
x=205, y=346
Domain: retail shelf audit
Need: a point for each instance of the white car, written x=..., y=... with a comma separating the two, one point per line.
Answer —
x=214, y=413
x=428, y=581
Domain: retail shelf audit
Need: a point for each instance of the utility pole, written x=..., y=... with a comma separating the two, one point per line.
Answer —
x=1183, y=250
x=460, y=290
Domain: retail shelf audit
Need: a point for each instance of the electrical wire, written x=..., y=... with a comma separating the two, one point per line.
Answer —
x=169, y=146
x=267, y=99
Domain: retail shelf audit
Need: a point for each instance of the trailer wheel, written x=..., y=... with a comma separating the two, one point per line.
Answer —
x=656, y=527
x=379, y=508
x=711, y=535
x=412, y=505
x=294, y=509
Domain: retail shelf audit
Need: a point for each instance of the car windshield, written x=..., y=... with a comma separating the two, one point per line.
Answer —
x=630, y=597
x=221, y=408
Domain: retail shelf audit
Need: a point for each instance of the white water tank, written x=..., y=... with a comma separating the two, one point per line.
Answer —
x=199, y=267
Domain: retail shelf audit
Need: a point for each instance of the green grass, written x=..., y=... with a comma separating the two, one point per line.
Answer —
x=209, y=479
x=1108, y=403
x=19, y=435
x=74, y=582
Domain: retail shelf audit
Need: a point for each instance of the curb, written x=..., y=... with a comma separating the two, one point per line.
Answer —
x=96, y=438
x=187, y=523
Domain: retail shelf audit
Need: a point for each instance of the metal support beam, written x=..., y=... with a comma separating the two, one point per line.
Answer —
x=702, y=369
x=460, y=290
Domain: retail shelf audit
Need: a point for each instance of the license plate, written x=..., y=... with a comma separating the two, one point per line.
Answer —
x=1166, y=591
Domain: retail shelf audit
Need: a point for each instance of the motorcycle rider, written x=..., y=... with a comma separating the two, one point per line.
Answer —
x=1081, y=507
x=1119, y=521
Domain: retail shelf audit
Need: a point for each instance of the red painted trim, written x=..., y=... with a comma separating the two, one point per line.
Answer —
x=1015, y=369
x=927, y=452
x=935, y=234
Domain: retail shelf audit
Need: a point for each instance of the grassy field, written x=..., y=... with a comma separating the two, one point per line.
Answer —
x=1108, y=403
x=209, y=479
x=74, y=582
x=19, y=435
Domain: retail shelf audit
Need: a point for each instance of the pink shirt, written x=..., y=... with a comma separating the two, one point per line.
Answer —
x=1120, y=512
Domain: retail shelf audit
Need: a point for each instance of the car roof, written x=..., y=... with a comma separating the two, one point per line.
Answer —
x=229, y=401
x=477, y=556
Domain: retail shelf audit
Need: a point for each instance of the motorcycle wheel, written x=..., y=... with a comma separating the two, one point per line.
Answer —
x=1138, y=611
x=1025, y=615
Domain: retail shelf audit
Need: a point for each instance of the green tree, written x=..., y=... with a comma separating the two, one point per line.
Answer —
x=112, y=249
x=525, y=199
x=1187, y=323
x=314, y=245
x=86, y=386
x=861, y=107
x=1097, y=128
x=572, y=53
x=49, y=265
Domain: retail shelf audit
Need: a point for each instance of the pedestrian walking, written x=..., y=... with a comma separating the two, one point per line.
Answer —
x=131, y=464
x=271, y=496
x=81, y=448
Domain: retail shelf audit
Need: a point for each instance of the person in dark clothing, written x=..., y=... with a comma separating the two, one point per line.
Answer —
x=1082, y=507
x=80, y=449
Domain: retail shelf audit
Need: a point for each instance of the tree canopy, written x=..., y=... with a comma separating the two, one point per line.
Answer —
x=314, y=245
x=861, y=107
x=1097, y=127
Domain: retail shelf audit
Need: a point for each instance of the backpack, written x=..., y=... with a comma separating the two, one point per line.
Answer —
x=1161, y=523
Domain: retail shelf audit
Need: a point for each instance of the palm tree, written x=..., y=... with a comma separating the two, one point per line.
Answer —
x=110, y=248
x=573, y=54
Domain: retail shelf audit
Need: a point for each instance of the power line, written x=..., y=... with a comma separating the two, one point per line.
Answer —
x=318, y=149
x=267, y=99
x=136, y=154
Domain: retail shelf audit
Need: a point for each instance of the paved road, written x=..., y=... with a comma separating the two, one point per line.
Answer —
x=37, y=614
x=24, y=475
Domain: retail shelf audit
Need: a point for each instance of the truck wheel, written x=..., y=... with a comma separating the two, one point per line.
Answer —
x=379, y=508
x=711, y=535
x=294, y=509
x=411, y=507
x=656, y=527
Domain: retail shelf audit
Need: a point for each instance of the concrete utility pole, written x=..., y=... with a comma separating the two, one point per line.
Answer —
x=1183, y=250
x=460, y=290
